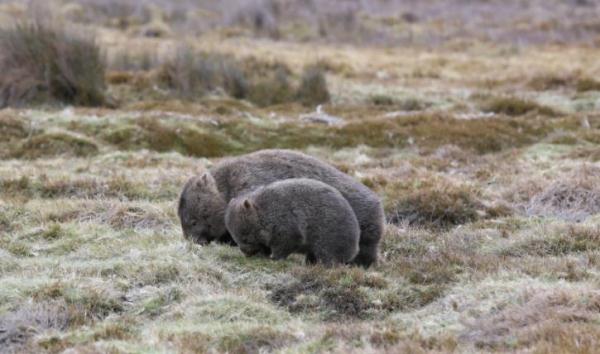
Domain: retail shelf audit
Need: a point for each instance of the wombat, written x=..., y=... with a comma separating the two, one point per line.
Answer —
x=204, y=198
x=297, y=215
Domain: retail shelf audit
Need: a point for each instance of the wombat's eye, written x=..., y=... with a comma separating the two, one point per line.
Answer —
x=194, y=223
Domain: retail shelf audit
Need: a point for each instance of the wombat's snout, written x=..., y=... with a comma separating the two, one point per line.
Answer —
x=250, y=250
x=202, y=237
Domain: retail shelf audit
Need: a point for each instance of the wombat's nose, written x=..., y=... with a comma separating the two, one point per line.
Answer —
x=201, y=241
x=205, y=235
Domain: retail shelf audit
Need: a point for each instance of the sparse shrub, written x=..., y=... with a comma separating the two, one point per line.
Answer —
x=513, y=106
x=41, y=64
x=274, y=89
x=313, y=86
x=234, y=80
x=258, y=15
x=191, y=74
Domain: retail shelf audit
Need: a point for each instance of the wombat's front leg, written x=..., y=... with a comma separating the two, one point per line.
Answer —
x=310, y=258
x=279, y=253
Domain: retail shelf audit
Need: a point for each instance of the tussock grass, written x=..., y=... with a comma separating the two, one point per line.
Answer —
x=435, y=204
x=513, y=106
x=313, y=86
x=192, y=74
x=42, y=63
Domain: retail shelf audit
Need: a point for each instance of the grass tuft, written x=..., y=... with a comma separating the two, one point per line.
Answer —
x=313, y=86
x=433, y=203
x=46, y=64
x=588, y=84
x=513, y=106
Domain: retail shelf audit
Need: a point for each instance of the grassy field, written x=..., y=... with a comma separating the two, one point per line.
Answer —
x=484, y=150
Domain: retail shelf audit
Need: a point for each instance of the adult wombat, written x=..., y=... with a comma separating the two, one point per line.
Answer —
x=297, y=215
x=204, y=198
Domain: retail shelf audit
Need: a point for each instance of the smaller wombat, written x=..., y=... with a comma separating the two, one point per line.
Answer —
x=297, y=215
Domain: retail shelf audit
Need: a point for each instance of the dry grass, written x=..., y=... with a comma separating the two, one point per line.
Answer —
x=434, y=204
x=557, y=319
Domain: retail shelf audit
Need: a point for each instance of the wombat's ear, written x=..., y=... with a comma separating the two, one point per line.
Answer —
x=204, y=180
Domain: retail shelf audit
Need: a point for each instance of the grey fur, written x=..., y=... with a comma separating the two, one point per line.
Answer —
x=205, y=202
x=297, y=215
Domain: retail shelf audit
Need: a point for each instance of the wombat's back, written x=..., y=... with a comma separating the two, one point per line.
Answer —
x=316, y=211
x=245, y=173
